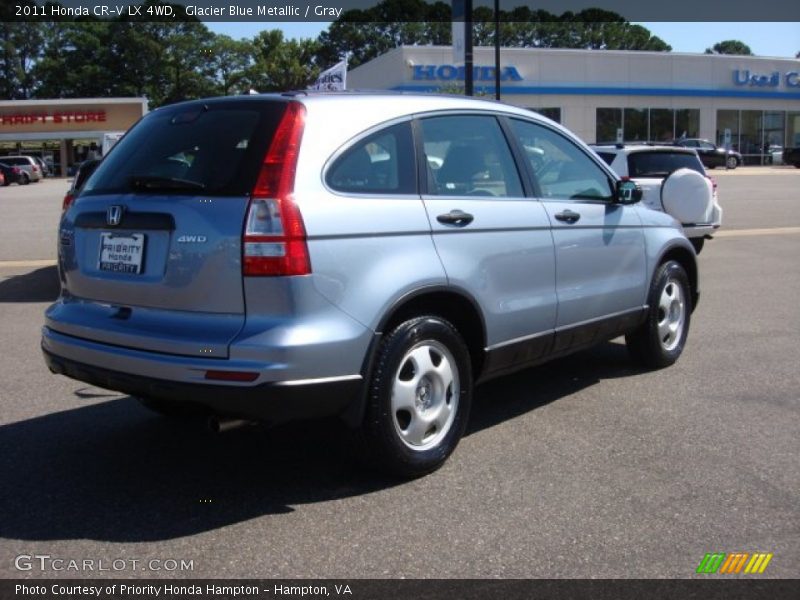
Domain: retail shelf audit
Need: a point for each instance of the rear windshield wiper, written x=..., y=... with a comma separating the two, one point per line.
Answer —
x=157, y=182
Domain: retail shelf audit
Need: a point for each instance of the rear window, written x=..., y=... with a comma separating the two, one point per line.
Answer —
x=214, y=149
x=661, y=164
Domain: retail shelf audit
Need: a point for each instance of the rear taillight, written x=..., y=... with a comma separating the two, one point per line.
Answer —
x=713, y=183
x=68, y=198
x=35, y=169
x=274, y=240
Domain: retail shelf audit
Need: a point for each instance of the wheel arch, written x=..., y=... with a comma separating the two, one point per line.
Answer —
x=452, y=304
x=687, y=259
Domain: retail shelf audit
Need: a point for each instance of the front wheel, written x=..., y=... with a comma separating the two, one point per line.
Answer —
x=419, y=397
x=659, y=341
x=732, y=162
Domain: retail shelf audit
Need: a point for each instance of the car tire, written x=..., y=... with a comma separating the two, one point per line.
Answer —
x=418, y=399
x=25, y=180
x=731, y=162
x=698, y=244
x=660, y=340
x=172, y=409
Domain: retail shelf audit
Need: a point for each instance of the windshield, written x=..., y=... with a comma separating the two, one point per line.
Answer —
x=213, y=149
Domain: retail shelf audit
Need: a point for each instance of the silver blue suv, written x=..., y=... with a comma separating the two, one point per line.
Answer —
x=367, y=256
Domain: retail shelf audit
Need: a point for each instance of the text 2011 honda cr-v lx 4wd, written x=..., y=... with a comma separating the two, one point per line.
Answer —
x=367, y=256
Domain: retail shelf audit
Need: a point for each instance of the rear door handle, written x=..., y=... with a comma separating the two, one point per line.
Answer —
x=568, y=216
x=455, y=217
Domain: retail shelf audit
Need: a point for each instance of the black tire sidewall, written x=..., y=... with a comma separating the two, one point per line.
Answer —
x=670, y=270
x=378, y=428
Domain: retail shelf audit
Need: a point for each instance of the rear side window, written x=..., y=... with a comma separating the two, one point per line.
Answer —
x=469, y=156
x=661, y=164
x=22, y=162
x=214, y=149
x=382, y=163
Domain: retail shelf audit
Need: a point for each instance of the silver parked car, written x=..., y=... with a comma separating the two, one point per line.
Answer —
x=268, y=257
x=30, y=167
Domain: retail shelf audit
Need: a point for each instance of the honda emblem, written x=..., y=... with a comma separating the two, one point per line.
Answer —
x=114, y=215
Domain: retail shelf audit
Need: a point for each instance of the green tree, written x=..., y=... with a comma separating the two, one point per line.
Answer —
x=20, y=49
x=74, y=61
x=230, y=62
x=365, y=34
x=730, y=47
x=282, y=64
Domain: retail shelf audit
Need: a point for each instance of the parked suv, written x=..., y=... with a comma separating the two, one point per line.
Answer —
x=31, y=171
x=673, y=180
x=267, y=258
x=712, y=155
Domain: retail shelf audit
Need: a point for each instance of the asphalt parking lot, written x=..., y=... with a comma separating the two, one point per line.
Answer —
x=585, y=467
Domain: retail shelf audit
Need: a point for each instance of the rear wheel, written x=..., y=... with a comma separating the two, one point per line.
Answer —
x=25, y=180
x=731, y=162
x=659, y=341
x=419, y=397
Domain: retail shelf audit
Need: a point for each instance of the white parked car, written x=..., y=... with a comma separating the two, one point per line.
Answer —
x=673, y=180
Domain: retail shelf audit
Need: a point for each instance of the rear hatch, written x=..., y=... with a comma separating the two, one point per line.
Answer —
x=151, y=251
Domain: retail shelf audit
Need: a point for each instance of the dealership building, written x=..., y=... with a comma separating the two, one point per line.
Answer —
x=750, y=103
x=65, y=132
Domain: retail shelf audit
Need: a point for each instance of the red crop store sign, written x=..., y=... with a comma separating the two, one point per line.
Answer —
x=60, y=117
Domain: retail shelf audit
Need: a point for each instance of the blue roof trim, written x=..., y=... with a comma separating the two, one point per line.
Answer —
x=612, y=91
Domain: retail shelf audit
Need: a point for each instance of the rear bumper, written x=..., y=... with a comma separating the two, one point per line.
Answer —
x=273, y=401
x=703, y=230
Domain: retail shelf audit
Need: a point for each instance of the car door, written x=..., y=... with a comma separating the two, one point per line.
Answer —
x=599, y=243
x=494, y=242
x=710, y=155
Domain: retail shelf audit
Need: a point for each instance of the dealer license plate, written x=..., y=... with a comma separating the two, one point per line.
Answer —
x=121, y=253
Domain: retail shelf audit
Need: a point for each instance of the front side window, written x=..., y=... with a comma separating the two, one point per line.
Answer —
x=468, y=156
x=560, y=168
x=382, y=163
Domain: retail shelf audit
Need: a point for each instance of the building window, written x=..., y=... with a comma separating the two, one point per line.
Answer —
x=609, y=120
x=662, y=124
x=774, y=128
x=793, y=129
x=750, y=135
x=728, y=123
x=552, y=113
x=635, y=125
x=647, y=124
x=687, y=123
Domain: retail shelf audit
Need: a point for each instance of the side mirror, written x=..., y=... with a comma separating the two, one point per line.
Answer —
x=628, y=192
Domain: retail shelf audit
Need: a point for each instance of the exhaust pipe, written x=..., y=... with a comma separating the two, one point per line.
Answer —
x=222, y=424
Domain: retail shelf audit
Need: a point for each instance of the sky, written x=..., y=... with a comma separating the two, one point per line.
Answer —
x=764, y=39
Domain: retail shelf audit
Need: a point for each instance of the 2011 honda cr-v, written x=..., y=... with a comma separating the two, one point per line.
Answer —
x=368, y=256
